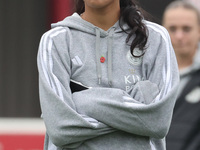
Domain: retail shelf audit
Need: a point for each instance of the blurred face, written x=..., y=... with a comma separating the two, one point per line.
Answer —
x=100, y=3
x=184, y=29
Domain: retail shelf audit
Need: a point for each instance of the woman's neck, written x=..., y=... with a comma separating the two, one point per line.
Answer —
x=184, y=63
x=185, y=60
x=102, y=18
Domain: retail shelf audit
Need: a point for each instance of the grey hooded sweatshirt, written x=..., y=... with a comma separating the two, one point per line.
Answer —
x=130, y=100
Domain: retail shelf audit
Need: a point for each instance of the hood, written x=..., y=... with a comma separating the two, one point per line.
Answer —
x=77, y=23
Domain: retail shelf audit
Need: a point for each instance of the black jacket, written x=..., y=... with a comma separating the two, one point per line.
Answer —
x=184, y=133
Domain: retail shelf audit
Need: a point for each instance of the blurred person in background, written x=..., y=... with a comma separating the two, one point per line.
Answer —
x=131, y=67
x=182, y=20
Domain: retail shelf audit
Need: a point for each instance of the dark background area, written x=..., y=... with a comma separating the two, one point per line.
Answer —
x=22, y=23
x=155, y=8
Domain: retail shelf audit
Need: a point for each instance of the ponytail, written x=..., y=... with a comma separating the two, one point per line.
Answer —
x=132, y=15
x=79, y=6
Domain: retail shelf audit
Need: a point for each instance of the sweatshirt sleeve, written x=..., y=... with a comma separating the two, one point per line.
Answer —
x=129, y=113
x=65, y=127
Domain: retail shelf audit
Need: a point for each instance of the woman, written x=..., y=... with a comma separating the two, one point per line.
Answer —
x=130, y=67
x=182, y=20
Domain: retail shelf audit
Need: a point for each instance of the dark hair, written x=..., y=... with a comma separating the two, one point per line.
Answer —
x=132, y=15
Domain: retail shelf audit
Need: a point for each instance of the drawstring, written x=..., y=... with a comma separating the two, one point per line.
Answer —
x=97, y=55
x=110, y=43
